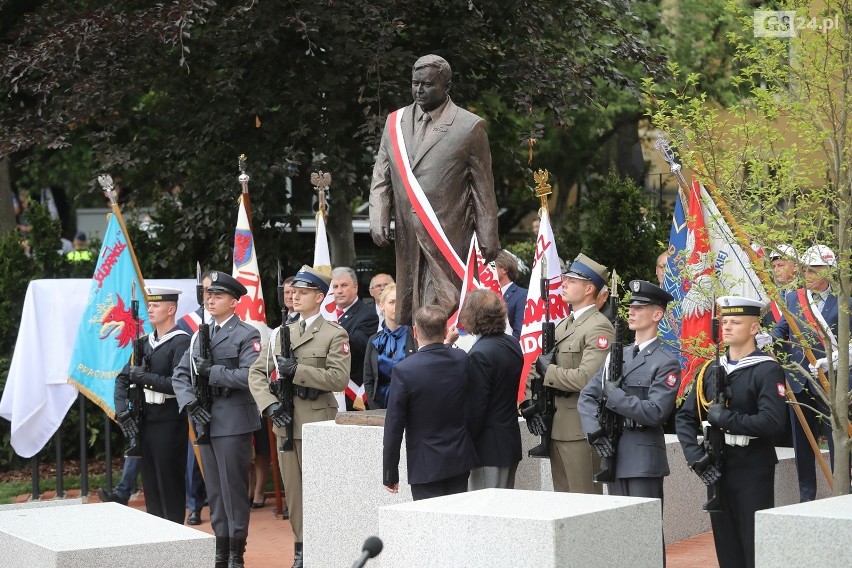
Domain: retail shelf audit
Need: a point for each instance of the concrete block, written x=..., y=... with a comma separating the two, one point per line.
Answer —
x=501, y=527
x=822, y=529
x=40, y=504
x=102, y=535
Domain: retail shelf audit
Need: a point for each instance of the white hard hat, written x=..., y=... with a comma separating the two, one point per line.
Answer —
x=819, y=255
x=784, y=252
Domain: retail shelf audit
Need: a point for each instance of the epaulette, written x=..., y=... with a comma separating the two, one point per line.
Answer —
x=335, y=324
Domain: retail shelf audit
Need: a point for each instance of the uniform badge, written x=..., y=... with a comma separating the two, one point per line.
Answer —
x=636, y=285
x=345, y=348
x=214, y=276
x=603, y=342
x=256, y=346
x=671, y=380
x=782, y=390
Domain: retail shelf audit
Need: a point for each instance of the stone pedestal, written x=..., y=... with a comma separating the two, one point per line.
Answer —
x=103, y=535
x=501, y=527
x=816, y=533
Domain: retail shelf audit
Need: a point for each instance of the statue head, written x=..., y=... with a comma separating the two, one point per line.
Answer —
x=430, y=81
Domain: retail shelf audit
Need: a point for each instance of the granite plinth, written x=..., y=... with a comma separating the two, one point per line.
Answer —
x=364, y=418
x=822, y=529
x=39, y=504
x=497, y=527
x=102, y=535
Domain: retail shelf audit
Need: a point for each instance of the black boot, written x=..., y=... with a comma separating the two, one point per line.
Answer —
x=238, y=548
x=297, y=560
x=223, y=547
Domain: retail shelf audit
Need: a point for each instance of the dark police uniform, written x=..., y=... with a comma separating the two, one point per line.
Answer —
x=755, y=412
x=164, y=428
x=644, y=402
x=235, y=416
x=323, y=354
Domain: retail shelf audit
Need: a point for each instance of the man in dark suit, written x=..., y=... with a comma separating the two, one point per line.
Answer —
x=232, y=417
x=515, y=296
x=448, y=157
x=360, y=322
x=813, y=306
x=428, y=398
x=496, y=362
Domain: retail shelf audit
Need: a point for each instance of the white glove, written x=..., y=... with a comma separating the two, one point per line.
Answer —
x=822, y=364
x=763, y=339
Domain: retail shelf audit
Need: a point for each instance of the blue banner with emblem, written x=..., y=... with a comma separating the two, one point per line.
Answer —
x=107, y=329
x=669, y=328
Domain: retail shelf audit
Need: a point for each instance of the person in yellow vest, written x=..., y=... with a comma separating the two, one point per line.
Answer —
x=318, y=365
x=81, y=252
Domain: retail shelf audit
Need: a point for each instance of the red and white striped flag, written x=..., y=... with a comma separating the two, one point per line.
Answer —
x=545, y=253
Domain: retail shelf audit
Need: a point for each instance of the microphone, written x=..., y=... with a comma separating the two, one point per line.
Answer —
x=372, y=547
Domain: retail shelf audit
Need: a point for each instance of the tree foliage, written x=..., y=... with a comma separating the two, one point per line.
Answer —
x=780, y=155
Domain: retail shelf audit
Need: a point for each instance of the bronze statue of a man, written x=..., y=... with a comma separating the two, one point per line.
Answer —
x=434, y=169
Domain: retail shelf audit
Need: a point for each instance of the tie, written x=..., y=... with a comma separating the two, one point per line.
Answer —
x=635, y=351
x=339, y=313
x=421, y=131
x=302, y=327
x=216, y=329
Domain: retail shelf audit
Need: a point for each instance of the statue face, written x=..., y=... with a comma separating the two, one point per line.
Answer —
x=427, y=88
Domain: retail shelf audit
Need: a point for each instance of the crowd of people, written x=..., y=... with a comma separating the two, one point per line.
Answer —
x=458, y=410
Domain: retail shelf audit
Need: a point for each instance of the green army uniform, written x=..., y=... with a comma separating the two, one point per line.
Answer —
x=322, y=352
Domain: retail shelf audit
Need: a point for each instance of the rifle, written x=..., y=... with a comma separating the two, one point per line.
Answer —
x=543, y=397
x=283, y=390
x=201, y=384
x=714, y=438
x=611, y=421
x=135, y=397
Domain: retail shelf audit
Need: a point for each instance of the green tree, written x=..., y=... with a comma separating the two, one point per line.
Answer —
x=780, y=155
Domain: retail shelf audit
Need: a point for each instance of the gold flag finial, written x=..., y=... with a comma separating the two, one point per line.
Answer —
x=542, y=188
x=321, y=181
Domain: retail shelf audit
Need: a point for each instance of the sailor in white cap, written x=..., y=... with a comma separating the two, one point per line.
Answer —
x=814, y=307
x=162, y=432
x=749, y=411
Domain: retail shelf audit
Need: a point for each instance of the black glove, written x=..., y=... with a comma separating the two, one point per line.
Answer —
x=128, y=425
x=535, y=421
x=286, y=367
x=136, y=375
x=200, y=415
x=601, y=444
x=279, y=415
x=714, y=413
x=708, y=472
x=610, y=386
x=542, y=363
x=203, y=366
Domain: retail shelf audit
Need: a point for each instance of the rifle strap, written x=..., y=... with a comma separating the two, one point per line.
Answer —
x=701, y=402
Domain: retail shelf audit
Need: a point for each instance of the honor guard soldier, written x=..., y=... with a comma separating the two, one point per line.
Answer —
x=581, y=345
x=318, y=365
x=642, y=398
x=162, y=431
x=231, y=417
x=746, y=404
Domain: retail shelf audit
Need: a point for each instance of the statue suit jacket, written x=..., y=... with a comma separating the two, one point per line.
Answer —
x=428, y=398
x=496, y=363
x=647, y=395
x=323, y=356
x=234, y=348
x=453, y=166
x=360, y=322
x=516, y=302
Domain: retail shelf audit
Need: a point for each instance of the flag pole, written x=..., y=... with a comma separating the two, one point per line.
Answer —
x=106, y=182
x=663, y=147
x=321, y=182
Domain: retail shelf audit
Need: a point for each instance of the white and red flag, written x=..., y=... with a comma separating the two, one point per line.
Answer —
x=250, y=308
x=545, y=254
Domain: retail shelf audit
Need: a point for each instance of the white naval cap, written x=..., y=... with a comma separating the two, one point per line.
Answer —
x=162, y=294
x=739, y=306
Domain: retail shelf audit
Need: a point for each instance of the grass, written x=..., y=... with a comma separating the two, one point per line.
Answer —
x=9, y=490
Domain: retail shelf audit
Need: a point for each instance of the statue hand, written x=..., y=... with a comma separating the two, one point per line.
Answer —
x=381, y=236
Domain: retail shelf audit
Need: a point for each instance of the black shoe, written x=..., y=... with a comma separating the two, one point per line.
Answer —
x=238, y=548
x=285, y=514
x=194, y=518
x=110, y=497
x=297, y=559
x=223, y=551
